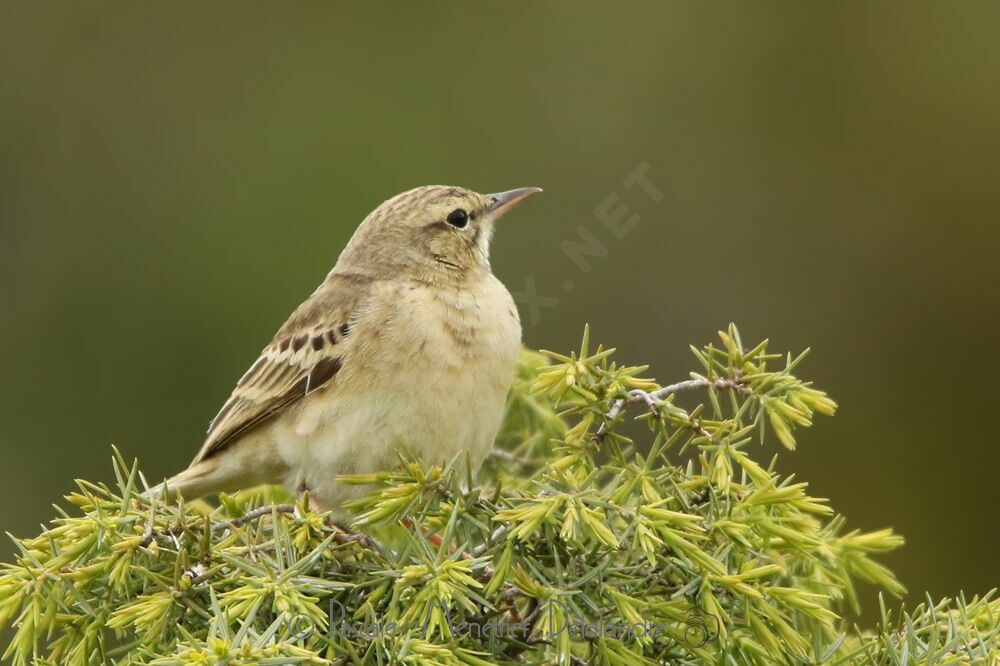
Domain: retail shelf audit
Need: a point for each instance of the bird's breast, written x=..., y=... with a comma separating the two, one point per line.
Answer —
x=469, y=329
x=428, y=371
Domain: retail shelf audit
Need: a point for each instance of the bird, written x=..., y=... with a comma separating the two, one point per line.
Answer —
x=409, y=345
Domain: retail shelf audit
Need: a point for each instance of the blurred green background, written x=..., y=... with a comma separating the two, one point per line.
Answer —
x=174, y=180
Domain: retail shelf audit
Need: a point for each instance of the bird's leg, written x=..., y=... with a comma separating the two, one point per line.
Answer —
x=344, y=533
x=432, y=537
x=307, y=500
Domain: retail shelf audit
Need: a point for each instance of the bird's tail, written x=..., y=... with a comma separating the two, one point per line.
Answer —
x=197, y=480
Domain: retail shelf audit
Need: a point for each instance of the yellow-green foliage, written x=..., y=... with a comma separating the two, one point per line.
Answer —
x=682, y=530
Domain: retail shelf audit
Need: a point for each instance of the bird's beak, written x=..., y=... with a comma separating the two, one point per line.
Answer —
x=501, y=202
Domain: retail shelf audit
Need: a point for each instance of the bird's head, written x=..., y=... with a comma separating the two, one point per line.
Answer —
x=433, y=233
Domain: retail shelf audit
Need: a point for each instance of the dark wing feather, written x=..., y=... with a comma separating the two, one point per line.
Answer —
x=306, y=353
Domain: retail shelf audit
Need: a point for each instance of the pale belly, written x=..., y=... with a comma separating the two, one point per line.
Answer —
x=431, y=384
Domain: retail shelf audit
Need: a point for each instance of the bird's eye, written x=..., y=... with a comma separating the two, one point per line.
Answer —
x=458, y=218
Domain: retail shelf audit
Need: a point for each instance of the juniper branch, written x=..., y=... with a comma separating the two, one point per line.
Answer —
x=624, y=533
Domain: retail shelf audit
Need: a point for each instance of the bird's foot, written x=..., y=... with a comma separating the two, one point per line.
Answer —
x=345, y=535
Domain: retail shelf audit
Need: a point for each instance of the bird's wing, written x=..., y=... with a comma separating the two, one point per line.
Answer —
x=305, y=354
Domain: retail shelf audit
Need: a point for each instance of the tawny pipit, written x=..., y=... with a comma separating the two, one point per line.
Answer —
x=409, y=343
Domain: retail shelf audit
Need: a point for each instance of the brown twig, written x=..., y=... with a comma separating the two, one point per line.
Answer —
x=653, y=398
x=343, y=535
x=483, y=547
x=253, y=515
